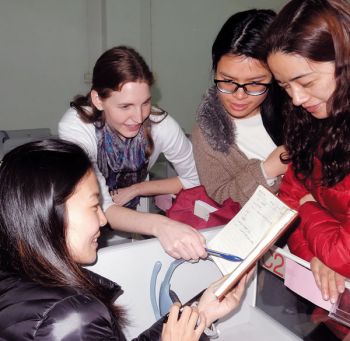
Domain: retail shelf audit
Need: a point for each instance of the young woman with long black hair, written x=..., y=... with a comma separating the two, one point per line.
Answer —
x=50, y=220
x=238, y=137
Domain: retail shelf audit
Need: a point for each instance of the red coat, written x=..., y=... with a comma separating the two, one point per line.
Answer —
x=324, y=230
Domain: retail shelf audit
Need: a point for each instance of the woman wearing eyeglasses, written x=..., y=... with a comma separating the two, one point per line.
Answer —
x=239, y=121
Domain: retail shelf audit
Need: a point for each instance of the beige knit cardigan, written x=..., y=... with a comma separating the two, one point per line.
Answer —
x=227, y=175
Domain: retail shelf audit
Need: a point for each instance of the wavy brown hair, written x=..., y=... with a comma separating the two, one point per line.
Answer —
x=114, y=68
x=318, y=30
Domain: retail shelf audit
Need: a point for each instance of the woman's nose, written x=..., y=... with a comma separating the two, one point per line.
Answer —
x=137, y=116
x=102, y=217
x=299, y=97
x=240, y=94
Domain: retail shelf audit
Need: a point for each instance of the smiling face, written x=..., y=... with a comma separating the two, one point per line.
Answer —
x=241, y=69
x=127, y=109
x=84, y=218
x=310, y=84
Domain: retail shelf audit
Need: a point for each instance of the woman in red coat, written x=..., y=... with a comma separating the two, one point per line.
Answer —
x=308, y=51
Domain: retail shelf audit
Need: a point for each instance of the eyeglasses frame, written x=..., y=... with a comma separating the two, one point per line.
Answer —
x=243, y=86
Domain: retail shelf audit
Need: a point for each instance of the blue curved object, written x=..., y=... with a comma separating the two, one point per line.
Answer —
x=152, y=293
x=165, y=301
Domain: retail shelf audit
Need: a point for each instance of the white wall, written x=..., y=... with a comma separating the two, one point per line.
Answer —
x=43, y=58
x=182, y=35
x=48, y=45
x=128, y=22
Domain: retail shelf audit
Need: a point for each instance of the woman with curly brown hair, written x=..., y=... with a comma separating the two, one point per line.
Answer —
x=308, y=51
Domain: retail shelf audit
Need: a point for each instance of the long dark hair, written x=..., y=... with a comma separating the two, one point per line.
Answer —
x=114, y=68
x=318, y=30
x=243, y=35
x=36, y=179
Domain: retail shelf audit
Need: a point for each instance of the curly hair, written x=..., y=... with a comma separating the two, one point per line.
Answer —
x=318, y=30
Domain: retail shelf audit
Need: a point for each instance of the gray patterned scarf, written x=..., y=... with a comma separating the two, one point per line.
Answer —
x=122, y=162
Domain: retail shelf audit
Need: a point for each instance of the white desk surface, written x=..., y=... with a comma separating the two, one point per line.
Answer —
x=131, y=265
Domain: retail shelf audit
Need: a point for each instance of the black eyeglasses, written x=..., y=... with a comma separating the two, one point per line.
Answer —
x=251, y=89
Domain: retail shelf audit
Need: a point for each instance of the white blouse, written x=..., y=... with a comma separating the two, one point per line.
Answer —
x=168, y=138
x=254, y=141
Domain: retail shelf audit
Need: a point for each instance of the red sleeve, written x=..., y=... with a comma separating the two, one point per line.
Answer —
x=299, y=246
x=328, y=239
x=291, y=190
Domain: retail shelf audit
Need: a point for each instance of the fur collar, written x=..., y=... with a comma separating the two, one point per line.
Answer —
x=214, y=122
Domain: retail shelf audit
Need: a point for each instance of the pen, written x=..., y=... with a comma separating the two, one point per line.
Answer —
x=227, y=256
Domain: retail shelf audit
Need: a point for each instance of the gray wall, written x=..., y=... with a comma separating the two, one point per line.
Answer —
x=182, y=35
x=48, y=48
x=42, y=60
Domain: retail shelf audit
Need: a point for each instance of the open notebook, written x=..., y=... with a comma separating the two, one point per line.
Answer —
x=260, y=222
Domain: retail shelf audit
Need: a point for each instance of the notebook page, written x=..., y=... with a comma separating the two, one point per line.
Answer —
x=252, y=223
x=257, y=252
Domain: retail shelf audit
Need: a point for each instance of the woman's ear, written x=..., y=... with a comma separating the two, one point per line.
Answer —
x=96, y=100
